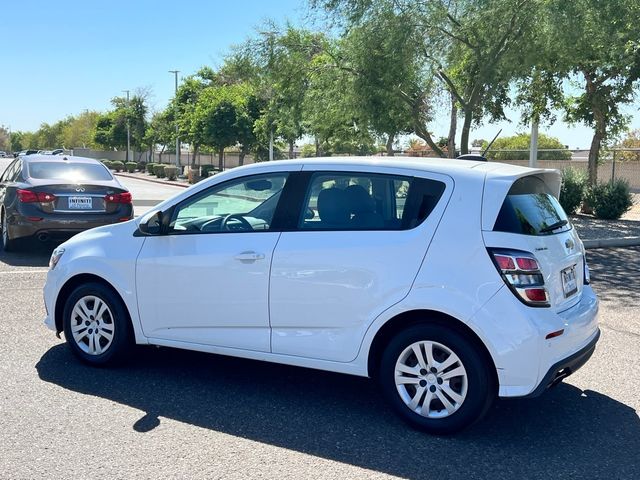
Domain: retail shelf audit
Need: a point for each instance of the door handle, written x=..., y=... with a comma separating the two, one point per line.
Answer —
x=249, y=256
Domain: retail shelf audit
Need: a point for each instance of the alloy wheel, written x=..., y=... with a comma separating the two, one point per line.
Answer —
x=92, y=325
x=431, y=379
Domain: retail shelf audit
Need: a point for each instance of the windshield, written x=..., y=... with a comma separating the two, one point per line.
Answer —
x=73, y=172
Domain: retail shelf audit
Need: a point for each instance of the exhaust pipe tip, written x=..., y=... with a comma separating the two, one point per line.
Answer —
x=43, y=237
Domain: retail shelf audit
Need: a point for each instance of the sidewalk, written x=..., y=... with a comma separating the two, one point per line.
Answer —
x=594, y=233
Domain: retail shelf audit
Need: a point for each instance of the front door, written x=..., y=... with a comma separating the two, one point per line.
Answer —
x=207, y=280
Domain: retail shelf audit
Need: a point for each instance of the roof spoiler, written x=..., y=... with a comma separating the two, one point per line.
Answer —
x=479, y=157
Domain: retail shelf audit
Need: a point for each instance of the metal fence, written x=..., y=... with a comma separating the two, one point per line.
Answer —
x=614, y=163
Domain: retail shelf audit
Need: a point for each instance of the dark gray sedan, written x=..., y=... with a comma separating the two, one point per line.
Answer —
x=56, y=197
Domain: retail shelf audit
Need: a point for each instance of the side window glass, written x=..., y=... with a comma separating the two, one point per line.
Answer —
x=355, y=201
x=16, y=174
x=241, y=205
x=6, y=176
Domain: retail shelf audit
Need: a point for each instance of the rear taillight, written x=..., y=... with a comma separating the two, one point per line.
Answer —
x=521, y=272
x=28, y=196
x=124, y=197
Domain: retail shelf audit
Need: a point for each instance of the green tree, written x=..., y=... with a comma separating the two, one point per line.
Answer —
x=161, y=131
x=5, y=139
x=473, y=47
x=598, y=46
x=111, y=127
x=517, y=148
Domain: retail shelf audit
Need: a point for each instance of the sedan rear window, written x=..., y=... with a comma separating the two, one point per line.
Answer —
x=530, y=209
x=73, y=172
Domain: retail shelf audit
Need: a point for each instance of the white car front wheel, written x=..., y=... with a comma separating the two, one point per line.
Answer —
x=96, y=325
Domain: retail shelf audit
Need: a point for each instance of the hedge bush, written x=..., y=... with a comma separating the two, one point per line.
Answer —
x=131, y=166
x=171, y=172
x=610, y=200
x=141, y=166
x=118, y=166
x=574, y=184
x=158, y=170
x=151, y=168
x=107, y=163
x=207, y=170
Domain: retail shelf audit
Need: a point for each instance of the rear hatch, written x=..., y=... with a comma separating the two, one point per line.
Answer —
x=522, y=219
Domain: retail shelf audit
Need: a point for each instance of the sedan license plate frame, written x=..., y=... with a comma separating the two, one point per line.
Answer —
x=569, y=281
x=80, y=203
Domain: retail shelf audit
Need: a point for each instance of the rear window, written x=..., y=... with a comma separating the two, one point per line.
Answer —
x=530, y=209
x=73, y=172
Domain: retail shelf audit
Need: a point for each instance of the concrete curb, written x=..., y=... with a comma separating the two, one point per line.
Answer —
x=612, y=242
x=152, y=180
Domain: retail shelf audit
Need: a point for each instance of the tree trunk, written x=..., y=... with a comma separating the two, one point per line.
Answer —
x=453, y=127
x=594, y=153
x=221, y=159
x=291, y=145
x=466, y=129
x=600, y=128
x=196, y=149
x=241, y=156
x=318, y=149
x=390, y=138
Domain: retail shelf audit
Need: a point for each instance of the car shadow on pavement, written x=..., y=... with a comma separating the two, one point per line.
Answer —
x=565, y=433
x=29, y=254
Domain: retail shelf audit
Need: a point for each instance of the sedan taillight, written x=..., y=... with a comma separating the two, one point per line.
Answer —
x=28, y=196
x=124, y=197
x=521, y=273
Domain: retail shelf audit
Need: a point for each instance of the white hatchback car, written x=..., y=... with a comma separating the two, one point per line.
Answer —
x=449, y=281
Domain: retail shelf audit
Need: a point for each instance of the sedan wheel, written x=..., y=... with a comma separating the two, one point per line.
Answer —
x=96, y=325
x=8, y=245
x=436, y=378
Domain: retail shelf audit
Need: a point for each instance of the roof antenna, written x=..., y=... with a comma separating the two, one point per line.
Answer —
x=481, y=157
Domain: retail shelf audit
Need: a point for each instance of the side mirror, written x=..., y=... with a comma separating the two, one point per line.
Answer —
x=151, y=225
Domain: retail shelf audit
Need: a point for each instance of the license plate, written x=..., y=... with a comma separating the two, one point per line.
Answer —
x=569, y=282
x=80, y=203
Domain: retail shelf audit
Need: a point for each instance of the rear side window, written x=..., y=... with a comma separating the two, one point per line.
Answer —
x=530, y=209
x=73, y=172
x=366, y=201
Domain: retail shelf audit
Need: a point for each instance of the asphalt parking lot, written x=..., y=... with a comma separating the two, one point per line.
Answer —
x=175, y=414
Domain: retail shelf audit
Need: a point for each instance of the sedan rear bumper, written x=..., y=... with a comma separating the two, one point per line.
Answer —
x=62, y=226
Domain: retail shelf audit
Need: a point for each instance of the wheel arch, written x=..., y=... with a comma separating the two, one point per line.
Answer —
x=71, y=285
x=413, y=317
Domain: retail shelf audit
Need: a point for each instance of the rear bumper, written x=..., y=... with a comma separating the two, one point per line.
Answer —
x=516, y=337
x=562, y=369
x=62, y=226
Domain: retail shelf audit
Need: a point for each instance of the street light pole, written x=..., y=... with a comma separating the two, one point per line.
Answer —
x=128, y=129
x=175, y=72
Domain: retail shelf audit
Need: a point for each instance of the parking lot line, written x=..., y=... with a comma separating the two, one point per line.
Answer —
x=17, y=272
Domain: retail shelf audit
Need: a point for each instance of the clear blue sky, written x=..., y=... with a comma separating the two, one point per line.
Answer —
x=60, y=57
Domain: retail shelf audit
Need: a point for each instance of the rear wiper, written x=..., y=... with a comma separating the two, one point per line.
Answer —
x=554, y=226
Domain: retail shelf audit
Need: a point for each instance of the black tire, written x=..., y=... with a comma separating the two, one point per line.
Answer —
x=7, y=243
x=479, y=388
x=115, y=321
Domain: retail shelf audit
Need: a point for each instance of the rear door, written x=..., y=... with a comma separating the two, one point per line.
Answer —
x=531, y=219
x=355, y=250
